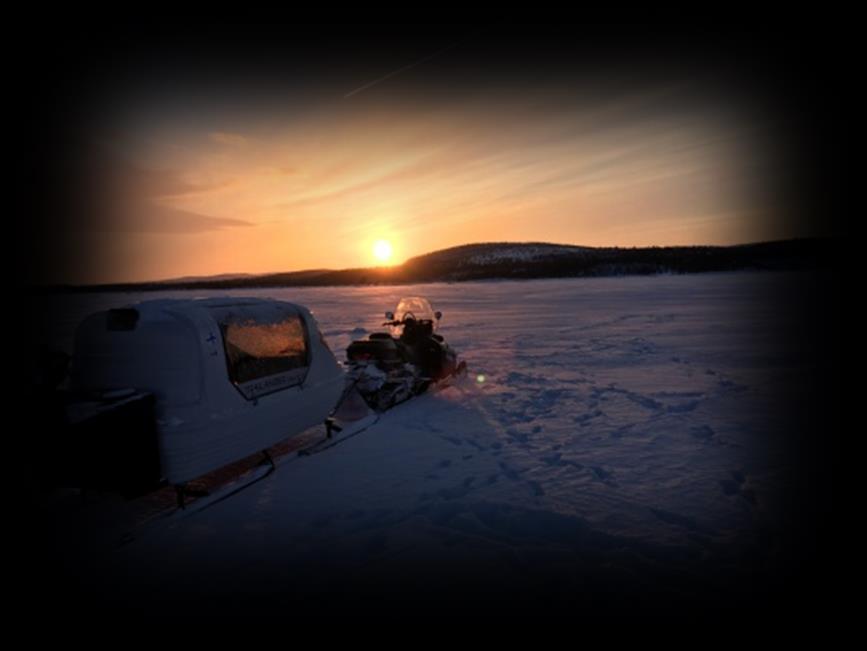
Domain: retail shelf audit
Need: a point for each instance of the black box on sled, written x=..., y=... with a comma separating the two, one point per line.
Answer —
x=110, y=445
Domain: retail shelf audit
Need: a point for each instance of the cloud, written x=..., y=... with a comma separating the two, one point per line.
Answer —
x=229, y=139
x=149, y=217
x=119, y=196
x=157, y=183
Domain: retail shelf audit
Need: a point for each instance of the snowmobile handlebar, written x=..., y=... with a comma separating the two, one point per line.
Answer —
x=408, y=316
x=403, y=322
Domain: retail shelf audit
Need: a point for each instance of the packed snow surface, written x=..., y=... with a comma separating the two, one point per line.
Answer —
x=615, y=423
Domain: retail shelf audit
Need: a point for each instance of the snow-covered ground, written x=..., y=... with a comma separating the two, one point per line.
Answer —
x=616, y=436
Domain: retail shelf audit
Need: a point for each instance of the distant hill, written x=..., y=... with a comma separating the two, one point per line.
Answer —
x=198, y=279
x=510, y=260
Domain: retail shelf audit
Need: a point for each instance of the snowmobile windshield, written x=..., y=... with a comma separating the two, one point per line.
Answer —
x=416, y=308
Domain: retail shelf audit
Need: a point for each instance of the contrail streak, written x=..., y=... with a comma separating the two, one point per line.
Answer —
x=400, y=70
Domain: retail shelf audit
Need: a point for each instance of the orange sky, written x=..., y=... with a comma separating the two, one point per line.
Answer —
x=313, y=176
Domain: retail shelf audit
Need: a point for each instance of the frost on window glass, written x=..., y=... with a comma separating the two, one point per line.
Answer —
x=257, y=351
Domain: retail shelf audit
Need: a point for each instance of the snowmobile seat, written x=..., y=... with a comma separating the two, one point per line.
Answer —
x=383, y=350
x=414, y=330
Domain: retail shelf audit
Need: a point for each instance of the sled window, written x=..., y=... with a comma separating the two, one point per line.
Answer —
x=265, y=357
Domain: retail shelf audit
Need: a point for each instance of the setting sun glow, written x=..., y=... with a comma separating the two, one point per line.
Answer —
x=342, y=157
x=382, y=251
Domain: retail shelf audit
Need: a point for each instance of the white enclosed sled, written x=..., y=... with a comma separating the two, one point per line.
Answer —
x=230, y=376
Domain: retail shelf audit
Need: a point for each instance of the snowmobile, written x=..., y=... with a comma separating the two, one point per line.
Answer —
x=388, y=368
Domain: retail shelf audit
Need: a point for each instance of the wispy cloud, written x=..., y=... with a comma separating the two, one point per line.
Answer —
x=394, y=73
x=124, y=197
x=149, y=217
x=228, y=139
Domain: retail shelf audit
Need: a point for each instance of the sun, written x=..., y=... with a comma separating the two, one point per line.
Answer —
x=382, y=250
